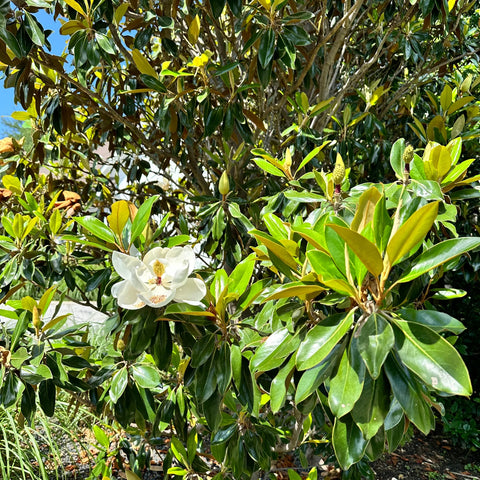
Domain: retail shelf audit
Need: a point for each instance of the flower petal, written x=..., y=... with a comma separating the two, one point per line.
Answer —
x=185, y=255
x=157, y=297
x=156, y=253
x=127, y=296
x=125, y=265
x=191, y=292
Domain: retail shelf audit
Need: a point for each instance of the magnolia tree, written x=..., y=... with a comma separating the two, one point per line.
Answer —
x=270, y=258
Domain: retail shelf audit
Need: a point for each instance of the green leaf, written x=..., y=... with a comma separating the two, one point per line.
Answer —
x=396, y=160
x=312, y=378
x=153, y=82
x=34, y=30
x=142, y=217
x=311, y=155
x=223, y=368
x=35, y=374
x=295, y=289
x=410, y=234
x=347, y=384
x=236, y=7
x=375, y=340
x=409, y=394
x=276, y=248
x=348, y=442
x=312, y=237
x=55, y=221
x=202, y=350
x=329, y=274
x=280, y=384
x=224, y=434
x=179, y=451
x=432, y=358
x=46, y=396
x=268, y=167
x=322, y=338
x=365, y=209
x=365, y=250
x=101, y=436
x=18, y=357
x=437, y=255
x=272, y=352
x=275, y=226
x=437, y=321
x=266, y=49
x=213, y=120
x=372, y=407
x=217, y=7
x=119, y=384
x=97, y=228
x=46, y=299
x=240, y=277
x=146, y=376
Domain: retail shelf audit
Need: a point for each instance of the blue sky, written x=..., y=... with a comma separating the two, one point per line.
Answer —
x=58, y=44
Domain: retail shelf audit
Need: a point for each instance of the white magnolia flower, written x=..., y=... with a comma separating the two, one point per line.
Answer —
x=162, y=276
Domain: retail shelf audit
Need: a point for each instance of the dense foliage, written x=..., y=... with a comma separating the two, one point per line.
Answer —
x=224, y=180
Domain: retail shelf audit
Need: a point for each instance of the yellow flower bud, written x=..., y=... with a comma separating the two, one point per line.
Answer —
x=37, y=323
x=339, y=171
x=224, y=184
x=407, y=154
x=121, y=345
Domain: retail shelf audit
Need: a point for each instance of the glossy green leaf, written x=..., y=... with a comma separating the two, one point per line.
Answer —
x=101, y=436
x=146, y=376
x=371, y=408
x=119, y=384
x=179, y=451
x=314, y=238
x=34, y=30
x=47, y=397
x=280, y=384
x=375, y=340
x=268, y=167
x=322, y=338
x=365, y=209
x=202, y=350
x=274, y=349
x=142, y=218
x=275, y=247
x=329, y=274
x=153, y=83
x=97, y=228
x=437, y=321
x=410, y=234
x=223, y=368
x=347, y=384
x=396, y=153
x=35, y=374
x=365, y=250
x=312, y=378
x=437, y=255
x=295, y=289
x=432, y=358
x=206, y=380
x=240, y=277
x=266, y=49
x=348, y=442
x=409, y=395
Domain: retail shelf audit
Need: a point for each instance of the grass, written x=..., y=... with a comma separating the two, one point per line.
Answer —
x=39, y=452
